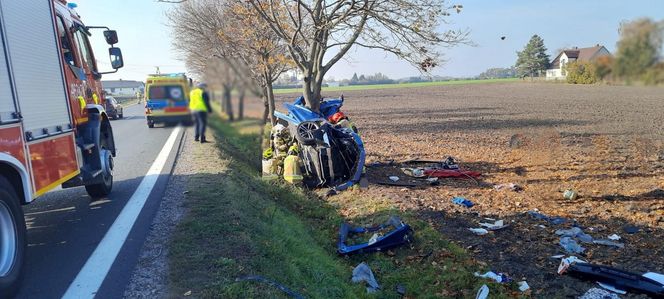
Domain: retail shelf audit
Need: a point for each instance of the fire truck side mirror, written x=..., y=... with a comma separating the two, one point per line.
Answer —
x=116, y=57
x=111, y=37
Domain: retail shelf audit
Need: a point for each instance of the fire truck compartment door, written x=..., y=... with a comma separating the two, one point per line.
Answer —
x=30, y=39
x=7, y=103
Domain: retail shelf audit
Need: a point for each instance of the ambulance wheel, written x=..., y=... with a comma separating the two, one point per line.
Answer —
x=13, y=240
x=104, y=188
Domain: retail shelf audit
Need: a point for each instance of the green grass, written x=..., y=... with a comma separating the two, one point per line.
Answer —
x=239, y=225
x=402, y=85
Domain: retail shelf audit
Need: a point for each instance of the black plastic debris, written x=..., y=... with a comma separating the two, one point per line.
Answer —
x=400, y=234
x=617, y=278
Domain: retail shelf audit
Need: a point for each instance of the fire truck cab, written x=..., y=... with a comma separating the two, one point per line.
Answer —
x=53, y=127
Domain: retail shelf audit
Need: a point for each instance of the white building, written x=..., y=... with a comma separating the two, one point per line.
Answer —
x=123, y=88
x=557, y=70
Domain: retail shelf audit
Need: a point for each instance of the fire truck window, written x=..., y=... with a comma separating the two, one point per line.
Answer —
x=84, y=47
x=67, y=53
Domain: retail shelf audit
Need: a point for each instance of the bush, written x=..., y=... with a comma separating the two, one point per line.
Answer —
x=654, y=75
x=581, y=73
x=603, y=67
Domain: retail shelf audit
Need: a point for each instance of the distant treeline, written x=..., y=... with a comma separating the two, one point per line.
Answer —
x=498, y=72
x=380, y=78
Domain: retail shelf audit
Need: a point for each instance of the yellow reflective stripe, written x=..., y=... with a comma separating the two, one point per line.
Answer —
x=95, y=98
x=56, y=183
x=82, y=103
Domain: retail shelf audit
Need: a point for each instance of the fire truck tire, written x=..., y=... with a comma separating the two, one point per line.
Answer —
x=13, y=240
x=104, y=188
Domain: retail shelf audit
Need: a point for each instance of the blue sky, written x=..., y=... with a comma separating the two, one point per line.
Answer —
x=146, y=43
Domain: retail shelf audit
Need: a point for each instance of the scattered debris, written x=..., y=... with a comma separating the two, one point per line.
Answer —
x=575, y=232
x=566, y=262
x=401, y=290
x=609, y=243
x=483, y=292
x=510, y=186
x=479, y=231
x=187, y=293
x=631, y=229
x=462, y=201
x=400, y=234
x=272, y=283
x=617, y=279
x=611, y=288
x=451, y=173
x=497, y=277
x=414, y=172
x=614, y=237
x=552, y=220
x=570, y=194
x=570, y=245
x=394, y=178
x=496, y=225
x=596, y=293
x=363, y=273
x=523, y=286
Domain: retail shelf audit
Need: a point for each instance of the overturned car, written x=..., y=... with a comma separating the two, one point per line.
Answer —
x=324, y=148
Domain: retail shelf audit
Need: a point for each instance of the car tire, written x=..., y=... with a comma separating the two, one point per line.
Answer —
x=307, y=132
x=12, y=228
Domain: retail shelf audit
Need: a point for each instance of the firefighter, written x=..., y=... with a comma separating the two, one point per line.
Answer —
x=199, y=104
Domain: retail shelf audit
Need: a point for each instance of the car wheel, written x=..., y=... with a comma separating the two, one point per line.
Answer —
x=12, y=240
x=307, y=132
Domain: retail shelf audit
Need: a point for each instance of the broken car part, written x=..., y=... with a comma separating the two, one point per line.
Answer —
x=400, y=234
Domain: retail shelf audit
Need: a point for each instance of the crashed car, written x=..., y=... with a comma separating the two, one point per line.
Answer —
x=331, y=150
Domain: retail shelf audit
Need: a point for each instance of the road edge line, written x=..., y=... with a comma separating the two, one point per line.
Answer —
x=96, y=268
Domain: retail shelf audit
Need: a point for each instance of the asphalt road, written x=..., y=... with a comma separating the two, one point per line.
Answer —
x=65, y=226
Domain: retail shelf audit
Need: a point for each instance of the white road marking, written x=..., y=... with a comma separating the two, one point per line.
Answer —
x=89, y=279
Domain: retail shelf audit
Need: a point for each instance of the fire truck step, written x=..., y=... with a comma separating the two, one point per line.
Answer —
x=88, y=146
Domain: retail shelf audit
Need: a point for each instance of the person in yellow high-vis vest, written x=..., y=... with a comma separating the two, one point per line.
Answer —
x=199, y=105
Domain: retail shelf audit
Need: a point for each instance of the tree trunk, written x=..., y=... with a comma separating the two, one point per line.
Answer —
x=228, y=105
x=266, y=110
x=270, y=102
x=312, y=92
x=240, y=104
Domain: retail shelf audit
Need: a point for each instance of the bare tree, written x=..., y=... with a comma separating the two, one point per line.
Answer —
x=318, y=33
x=248, y=38
x=235, y=34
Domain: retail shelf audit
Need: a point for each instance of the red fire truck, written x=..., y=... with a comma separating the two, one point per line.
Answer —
x=53, y=127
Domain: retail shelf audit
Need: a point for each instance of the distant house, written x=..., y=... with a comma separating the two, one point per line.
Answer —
x=557, y=70
x=123, y=88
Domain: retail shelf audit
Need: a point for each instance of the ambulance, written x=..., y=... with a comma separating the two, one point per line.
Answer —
x=167, y=99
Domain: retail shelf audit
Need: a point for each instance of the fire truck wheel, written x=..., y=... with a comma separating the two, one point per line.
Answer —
x=12, y=240
x=104, y=188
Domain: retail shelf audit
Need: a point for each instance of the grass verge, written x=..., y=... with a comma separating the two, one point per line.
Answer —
x=399, y=85
x=238, y=225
